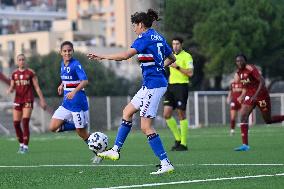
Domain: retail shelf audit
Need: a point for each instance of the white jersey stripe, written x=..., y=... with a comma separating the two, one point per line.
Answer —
x=145, y=55
x=72, y=82
x=71, y=89
x=148, y=64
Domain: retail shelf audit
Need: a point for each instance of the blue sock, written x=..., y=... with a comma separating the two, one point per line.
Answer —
x=122, y=133
x=157, y=146
x=67, y=126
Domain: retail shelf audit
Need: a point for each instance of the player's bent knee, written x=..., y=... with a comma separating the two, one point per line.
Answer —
x=244, y=118
x=52, y=129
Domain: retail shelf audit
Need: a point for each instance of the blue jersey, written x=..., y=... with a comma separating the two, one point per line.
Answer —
x=152, y=50
x=71, y=77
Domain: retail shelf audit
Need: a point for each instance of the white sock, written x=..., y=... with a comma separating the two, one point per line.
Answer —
x=21, y=144
x=165, y=161
x=25, y=146
x=115, y=148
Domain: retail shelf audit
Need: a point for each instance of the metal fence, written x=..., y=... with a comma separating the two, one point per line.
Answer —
x=205, y=109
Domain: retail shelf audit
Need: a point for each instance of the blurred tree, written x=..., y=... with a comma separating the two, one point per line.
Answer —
x=220, y=29
x=180, y=18
x=102, y=81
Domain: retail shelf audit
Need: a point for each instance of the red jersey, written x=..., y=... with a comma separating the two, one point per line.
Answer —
x=23, y=85
x=249, y=77
x=236, y=89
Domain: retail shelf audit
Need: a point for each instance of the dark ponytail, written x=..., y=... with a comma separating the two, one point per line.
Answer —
x=146, y=18
x=153, y=15
x=242, y=55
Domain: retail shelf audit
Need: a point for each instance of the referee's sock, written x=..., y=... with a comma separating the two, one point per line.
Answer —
x=184, y=131
x=172, y=124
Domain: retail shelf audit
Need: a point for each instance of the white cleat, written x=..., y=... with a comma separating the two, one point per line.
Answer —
x=167, y=168
x=109, y=154
x=96, y=159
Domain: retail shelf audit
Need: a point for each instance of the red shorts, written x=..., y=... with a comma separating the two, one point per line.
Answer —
x=235, y=105
x=20, y=106
x=262, y=101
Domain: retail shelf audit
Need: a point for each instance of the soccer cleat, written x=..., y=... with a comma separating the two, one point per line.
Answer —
x=24, y=151
x=177, y=143
x=232, y=132
x=96, y=159
x=110, y=154
x=167, y=168
x=182, y=148
x=20, y=150
x=243, y=148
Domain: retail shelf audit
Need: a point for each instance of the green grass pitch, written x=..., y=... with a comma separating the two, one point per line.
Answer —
x=63, y=161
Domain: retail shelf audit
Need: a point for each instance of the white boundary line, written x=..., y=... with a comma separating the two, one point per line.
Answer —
x=192, y=181
x=71, y=165
x=137, y=165
x=242, y=164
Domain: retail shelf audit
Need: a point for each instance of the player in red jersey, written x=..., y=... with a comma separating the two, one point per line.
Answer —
x=23, y=81
x=254, y=94
x=236, y=88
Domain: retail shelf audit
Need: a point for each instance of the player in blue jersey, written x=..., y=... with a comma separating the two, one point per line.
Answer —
x=153, y=54
x=73, y=113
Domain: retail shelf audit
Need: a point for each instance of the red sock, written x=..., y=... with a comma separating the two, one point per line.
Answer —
x=233, y=124
x=26, y=130
x=277, y=119
x=18, y=129
x=244, y=130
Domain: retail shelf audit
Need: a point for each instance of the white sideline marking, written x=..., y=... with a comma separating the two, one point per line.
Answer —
x=242, y=164
x=133, y=165
x=71, y=165
x=192, y=181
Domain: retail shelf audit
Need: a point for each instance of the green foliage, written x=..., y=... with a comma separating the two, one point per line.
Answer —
x=230, y=29
x=219, y=29
x=102, y=81
x=47, y=69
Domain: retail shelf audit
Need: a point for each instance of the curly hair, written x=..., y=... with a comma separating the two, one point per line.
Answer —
x=146, y=18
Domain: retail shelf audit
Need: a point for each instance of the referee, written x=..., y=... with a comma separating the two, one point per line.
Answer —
x=177, y=94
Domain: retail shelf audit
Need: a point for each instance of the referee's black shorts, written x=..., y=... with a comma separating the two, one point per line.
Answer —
x=176, y=96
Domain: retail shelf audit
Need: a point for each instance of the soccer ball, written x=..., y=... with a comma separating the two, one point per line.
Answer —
x=97, y=142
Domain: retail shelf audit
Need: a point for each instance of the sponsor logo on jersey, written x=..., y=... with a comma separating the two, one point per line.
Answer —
x=156, y=38
x=66, y=77
x=245, y=81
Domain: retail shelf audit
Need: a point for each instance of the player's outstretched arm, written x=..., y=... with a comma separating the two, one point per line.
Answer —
x=60, y=89
x=11, y=87
x=117, y=56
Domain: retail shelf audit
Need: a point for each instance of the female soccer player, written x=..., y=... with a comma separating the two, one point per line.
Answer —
x=235, y=91
x=23, y=81
x=254, y=94
x=73, y=112
x=152, y=49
